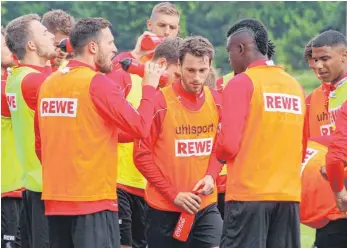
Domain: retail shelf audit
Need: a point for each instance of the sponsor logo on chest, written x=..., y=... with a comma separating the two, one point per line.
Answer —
x=278, y=102
x=62, y=107
x=193, y=147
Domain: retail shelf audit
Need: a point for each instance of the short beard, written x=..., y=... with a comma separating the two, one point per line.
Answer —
x=46, y=55
x=103, y=66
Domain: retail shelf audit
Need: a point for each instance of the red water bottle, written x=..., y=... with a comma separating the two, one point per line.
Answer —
x=65, y=45
x=183, y=226
x=150, y=42
x=134, y=67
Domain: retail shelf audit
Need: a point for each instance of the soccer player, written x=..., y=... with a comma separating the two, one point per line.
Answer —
x=33, y=44
x=59, y=23
x=164, y=21
x=177, y=158
x=131, y=183
x=318, y=208
x=317, y=101
x=11, y=170
x=262, y=141
x=80, y=112
x=221, y=180
x=329, y=51
x=336, y=159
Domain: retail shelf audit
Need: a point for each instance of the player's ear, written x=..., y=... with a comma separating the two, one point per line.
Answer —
x=149, y=25
x=162, y=62
x=344, y=56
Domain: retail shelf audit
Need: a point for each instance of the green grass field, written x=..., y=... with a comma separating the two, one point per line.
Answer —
x=307, y=237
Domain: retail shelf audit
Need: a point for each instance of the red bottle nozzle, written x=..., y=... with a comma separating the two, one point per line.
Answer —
x=134, y=67
x=150, y=42
x=65, y=45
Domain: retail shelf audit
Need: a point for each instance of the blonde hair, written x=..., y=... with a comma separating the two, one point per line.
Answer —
x=165, y=8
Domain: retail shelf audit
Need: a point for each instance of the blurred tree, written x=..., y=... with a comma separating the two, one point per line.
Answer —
x=290, y=24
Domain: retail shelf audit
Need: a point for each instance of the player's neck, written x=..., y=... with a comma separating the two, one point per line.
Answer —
x=339, y=78
x=85, y=60
x=34, y=59
x=257, y=57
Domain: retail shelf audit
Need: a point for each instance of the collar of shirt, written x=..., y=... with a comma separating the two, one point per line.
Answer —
x=260, y=63
x=342, y=81
x=75, y=63
x=35, y=67
x=182, y=93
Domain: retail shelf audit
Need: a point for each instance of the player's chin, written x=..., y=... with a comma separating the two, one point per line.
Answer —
x=106, y=68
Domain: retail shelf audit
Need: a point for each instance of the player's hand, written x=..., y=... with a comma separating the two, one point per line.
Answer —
x=153, y=71
x=341, y=200
x=205, y=186
x=188, y=201
x=138, y=53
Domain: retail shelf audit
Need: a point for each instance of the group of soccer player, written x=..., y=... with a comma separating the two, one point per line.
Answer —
x=97, y=156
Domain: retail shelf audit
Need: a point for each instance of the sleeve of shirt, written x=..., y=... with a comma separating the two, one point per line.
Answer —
x=337, y=151
x=108, y=99
x=143, y=155
x=124, y=137
x=236, y=99
x=215, y=166
x=123, y=78
x=30, y=87
x=37, y=136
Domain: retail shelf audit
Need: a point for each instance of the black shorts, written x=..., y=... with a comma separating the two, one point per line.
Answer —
x=10, y=216
x=206, y=231
x=131, y=219
x=221, y=204
x=34, y=225
x=261, y=225
x=98, y=230
x=333, y=235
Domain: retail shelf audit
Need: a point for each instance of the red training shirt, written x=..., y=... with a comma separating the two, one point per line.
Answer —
x=143, y=157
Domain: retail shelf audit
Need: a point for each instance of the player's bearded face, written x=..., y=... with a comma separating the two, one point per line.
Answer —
x=107, y=51
x=104, y=62
x=194, y=71
x=44, y=41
